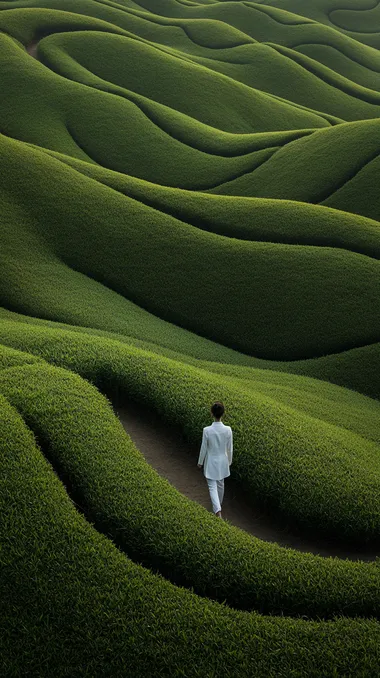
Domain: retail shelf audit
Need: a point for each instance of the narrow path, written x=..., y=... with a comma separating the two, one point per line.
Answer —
x=164, y=449
x=32, y=49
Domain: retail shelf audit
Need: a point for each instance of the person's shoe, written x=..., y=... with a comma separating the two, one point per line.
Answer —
x=218, y=514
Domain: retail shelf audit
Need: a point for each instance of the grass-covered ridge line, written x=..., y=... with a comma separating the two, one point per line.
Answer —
x=10, y=357
x=283, y=455
x=358, y=21
x=192, y=550
x=188, y=211
x=249, y=218
x=355, y=369
x=67, y=125
x=70, y=54
x=114, y=223
x=75, y=563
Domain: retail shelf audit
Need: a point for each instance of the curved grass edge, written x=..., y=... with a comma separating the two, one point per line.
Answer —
x=71, y=602
x=156, y=525
x=355, y=369
x=287, y=459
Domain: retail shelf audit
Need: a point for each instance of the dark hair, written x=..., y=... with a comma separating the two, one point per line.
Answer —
x=217, y=409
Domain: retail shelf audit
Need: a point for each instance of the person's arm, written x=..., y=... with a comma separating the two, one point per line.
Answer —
x=203, y=451
x=230, y=447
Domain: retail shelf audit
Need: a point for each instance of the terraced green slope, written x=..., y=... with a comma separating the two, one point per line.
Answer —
x=189, y=212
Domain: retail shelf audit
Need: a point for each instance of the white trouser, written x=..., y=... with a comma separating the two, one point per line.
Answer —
x=216, y=489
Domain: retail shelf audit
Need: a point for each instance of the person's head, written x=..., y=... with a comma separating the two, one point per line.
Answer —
x=217, y=410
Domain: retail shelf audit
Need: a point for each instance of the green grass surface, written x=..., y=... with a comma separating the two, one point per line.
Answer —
x=188, y=211
x=169, y=271
x=72, y=604
x=140, y=511
x=288, y=453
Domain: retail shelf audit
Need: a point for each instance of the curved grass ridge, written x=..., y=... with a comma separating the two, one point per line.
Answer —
x=140, y=511
x=10, y=357
x=247, y=218
x=357, y=21
x=353, y=369
x=284, y=456
x=330, y=298
x=124, y=115
x=349, y=369
x=67, y=586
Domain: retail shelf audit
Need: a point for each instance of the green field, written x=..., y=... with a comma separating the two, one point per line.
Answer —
x=189, y=212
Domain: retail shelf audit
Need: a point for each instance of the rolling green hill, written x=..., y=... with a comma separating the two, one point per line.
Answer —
x=189, y=211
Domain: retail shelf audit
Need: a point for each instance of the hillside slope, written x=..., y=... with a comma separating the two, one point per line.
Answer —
x=189, y=212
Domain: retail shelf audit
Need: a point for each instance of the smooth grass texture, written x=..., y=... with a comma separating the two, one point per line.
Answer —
x=354, y=19
x=281, y=221
x=91, y=223
x=100, y=127
x=355, y=369
x=169, y=271
x=312, y=168
x=210, y=97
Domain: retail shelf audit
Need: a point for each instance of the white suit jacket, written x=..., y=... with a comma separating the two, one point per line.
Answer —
x=216, y=451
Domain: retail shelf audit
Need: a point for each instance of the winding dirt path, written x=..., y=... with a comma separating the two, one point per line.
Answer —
x=164, y=449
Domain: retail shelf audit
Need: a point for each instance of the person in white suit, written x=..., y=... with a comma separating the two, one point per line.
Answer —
x=216, y=456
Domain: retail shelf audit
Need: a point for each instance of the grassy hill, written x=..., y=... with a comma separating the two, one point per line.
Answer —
x=189, y=212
